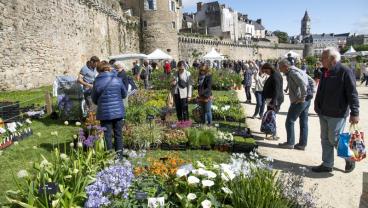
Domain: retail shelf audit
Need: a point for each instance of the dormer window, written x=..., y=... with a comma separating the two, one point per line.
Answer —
x=172, y=5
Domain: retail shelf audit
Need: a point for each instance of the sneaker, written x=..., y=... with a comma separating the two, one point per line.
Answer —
x=321, y=169
x=299, y=147
x=349, y=166
x=286, y=145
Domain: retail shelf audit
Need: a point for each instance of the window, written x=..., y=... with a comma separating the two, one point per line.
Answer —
x=150, y=5
x=173, y=25
x=172, y=5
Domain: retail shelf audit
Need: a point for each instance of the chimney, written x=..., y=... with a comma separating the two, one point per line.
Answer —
x=199, y=6
x=259, y=21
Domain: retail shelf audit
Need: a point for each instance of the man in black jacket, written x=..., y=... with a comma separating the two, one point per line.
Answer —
x=335, y=95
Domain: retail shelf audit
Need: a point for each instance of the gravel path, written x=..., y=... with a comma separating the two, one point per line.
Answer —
x=336, y=189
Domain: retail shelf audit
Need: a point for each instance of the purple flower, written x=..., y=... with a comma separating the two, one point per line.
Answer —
x=89, y=127
x=112, y=181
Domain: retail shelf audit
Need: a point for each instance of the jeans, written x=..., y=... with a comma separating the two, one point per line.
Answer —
x=115, y=126
x=247, y=93
x=206, y=112
x=90, y=105
x=181, y=106
x=297, y=110
x=330, y=128
x=260, y=104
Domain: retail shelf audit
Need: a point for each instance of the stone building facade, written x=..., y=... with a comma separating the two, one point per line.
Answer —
x=40, y=39
x=357, y=40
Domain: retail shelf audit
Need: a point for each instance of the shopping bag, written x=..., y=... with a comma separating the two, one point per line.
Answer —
x=343, y=149
x=268, y=125
x=357, y=144
x=351, y=145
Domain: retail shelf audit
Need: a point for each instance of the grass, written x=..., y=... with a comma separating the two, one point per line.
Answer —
x=22, y=156
x=37, y=94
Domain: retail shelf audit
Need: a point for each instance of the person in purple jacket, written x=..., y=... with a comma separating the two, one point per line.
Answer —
x=336, y=94
x=108, y=93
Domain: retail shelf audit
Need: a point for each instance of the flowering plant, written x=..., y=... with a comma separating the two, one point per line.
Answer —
x=112, y=182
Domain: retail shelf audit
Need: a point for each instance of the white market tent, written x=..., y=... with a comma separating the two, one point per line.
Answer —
x=128, y=56
x=293, y=54
x=213, y=55
x=159, y=55
x=351, y=52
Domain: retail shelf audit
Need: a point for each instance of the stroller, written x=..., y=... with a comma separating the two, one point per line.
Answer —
x=70, y=99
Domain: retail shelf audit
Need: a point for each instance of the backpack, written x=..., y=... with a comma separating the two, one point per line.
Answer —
x=268, y=125
x=310, y=89
x=143, y=74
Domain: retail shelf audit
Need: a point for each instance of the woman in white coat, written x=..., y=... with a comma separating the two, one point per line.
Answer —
x=182, y=86
x=260, y=78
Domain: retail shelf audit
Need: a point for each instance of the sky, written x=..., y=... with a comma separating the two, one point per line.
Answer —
x=327, y=16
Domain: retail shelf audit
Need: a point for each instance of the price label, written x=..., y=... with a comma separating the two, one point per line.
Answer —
x=141, y=195
x=49, y=188
x=150, y=117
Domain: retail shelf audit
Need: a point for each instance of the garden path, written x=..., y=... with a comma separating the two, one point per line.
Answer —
x=338, y=189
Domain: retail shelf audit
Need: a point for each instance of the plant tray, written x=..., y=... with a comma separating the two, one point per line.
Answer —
x=9, y=111
x=177, y=147
x=223, y=147
x=243, y=147
x=5, y=145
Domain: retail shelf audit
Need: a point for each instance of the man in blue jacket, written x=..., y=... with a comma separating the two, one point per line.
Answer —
x=335, y=95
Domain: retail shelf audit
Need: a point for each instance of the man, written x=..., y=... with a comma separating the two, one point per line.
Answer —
x=365, y=74
x=136, y=70
x=317, y=72
x=86, y=78
x=248, y=74
x=297, y=82
x=335, y=95
x=145, y=73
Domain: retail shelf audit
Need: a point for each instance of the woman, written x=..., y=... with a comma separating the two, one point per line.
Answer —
x=108, y=93
x=317, y=73
x=272, y=89
x=260, y=79
x=182, y=91
x=248, y=73
x=205, y=94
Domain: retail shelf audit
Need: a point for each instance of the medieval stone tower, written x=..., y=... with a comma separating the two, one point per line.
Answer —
x=306, y=25
x=160, y=22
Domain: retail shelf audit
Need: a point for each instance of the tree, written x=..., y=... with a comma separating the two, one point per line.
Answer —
x=311, y=60
x=283, y=36
x=356, y=47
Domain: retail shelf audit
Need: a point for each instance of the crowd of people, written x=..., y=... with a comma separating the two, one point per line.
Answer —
x=336, y=98
x=106, y=87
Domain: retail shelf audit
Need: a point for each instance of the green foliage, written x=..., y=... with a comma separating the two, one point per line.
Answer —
x=71, y=172
x=193, y=136
x=311, y=60
x=356, y=47
x=283, y=36
x=141, y=136
x=261, y=189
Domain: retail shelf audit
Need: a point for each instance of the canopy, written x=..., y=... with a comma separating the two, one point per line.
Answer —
x=128, y=56
x=213, y=55
x=351, y=52
x=159, y=55
x=293, y=54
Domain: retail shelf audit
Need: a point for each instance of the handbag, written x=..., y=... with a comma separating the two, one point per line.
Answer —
x=181, y=83
x=351, y=145
x=268, y=125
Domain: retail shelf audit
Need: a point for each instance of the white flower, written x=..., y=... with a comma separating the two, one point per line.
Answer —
x=75, y=136
x=79, y=145
x=28, y=121
x=193, y=180
x=66, y=123
x=16, y=143
x=211, y=174
x=78, y=123
x=20, y=124
x=269, y=159
x=2, y=130
x=207, y=183
x=54, y=133
x=44, y=163
x=213, y=107
x=216, y=166
x=199, y=171
x=200, y=165
x=227, y=176
x=64, y=156
x=39, y=134
x=206, y=204
x=191, y=196
x=34, y=147
x=71, y=144
x=156, y=202
x=22, y=174
x=55, y=203
x=75, y=171
x=182, y=172
x=226, y=190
